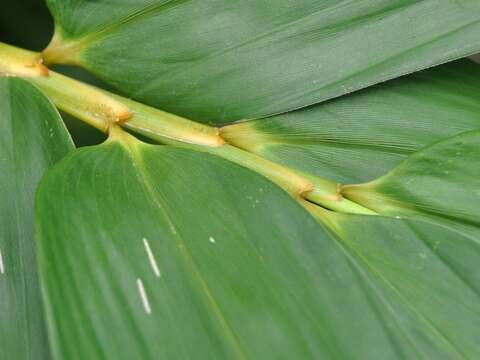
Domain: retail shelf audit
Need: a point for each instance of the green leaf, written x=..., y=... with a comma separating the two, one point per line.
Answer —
x=422, y=280
x=179, y=253
x=155, y=252
x=439, y=183
x=360, y=137
x=32, y=138
x=217, y=60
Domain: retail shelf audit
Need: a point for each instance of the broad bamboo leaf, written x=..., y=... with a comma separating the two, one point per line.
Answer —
x=360, y=137
x=32, y=138
x=217, y=60
x=424, y=283
x=441, y=183
x=156, y=252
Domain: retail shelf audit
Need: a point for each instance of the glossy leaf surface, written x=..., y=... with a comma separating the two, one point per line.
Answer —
x=32, y=139
x=219, y=61
x=360, y=137
x=439, y=185
x=157, y=252
x=441, y=182
x=424, y=283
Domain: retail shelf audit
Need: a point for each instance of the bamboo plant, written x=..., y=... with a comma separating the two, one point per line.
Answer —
x=281, y=180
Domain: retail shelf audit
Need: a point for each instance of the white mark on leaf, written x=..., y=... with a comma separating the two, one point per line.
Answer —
x=143, y=297
x=211, y=239
x=151, y=258
x=2, y=269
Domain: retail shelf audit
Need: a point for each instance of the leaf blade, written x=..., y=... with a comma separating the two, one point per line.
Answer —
x=234, y=278
x=360, y=137
x=171, y=300
x=440, y=182
x=257, y=59
x=32, y=139
x=416, y=268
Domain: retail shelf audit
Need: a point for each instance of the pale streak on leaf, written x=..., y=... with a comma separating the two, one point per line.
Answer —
x=151, y=258
x=2, y=268
x=143, y=296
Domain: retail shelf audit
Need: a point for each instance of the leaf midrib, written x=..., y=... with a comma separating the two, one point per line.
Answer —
x=133, y=153
x=354, y=256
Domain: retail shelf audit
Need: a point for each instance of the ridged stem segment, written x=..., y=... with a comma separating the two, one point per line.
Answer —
x=19, y=62
x=105, y=110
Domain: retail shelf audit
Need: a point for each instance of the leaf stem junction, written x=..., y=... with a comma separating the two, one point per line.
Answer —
x=104, y=110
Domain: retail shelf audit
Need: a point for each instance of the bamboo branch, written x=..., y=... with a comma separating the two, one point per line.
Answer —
x=105, y=110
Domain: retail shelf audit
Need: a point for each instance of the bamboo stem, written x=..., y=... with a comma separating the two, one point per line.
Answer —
x=19, y=62
x=104, y=110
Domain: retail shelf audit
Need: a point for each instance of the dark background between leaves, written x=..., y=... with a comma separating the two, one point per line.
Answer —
x=28, y=24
